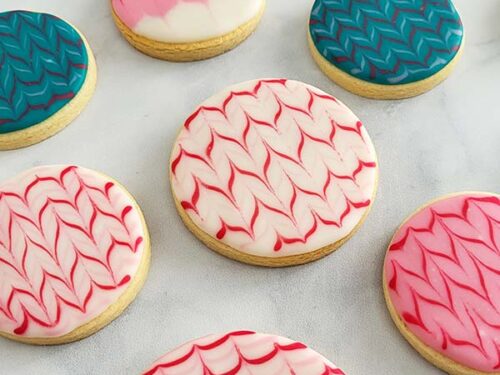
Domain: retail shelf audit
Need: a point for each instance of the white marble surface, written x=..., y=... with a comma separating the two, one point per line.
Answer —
x=447, y=140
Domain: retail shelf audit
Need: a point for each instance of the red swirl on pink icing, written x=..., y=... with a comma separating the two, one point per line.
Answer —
x=243, y=352
x=443, y=275
x=70, y=243
x=274, y=168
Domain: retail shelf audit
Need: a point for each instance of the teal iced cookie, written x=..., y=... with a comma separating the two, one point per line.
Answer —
x=44, y=66
x=386, y=43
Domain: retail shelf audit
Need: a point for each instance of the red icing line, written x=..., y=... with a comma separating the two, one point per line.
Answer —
x=70, y=240
x=443, y=274
x=229, y=354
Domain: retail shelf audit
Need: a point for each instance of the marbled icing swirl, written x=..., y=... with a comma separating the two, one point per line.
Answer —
x=274, y=168
x=71, y=240
x=43, y=65
x=242, y=353
x=443, y=275
x=387, y=42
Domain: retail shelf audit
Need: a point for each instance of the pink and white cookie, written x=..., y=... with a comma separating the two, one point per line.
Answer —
x=186, y=30
x=442, y=282
x=243, y=352
x=74, y=253
x=273, y=172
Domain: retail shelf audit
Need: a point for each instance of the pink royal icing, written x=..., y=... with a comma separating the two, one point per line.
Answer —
x=274, y=168
x=71, y=240
x=243, y=352
x=443, y=275
x=132, y=11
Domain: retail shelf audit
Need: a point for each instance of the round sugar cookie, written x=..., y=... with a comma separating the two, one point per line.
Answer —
x=243, y=352
x=386, y=49
x=273, y=172
x=186, y=30
x=48, y=75
x=74, y=253
x=442, y=283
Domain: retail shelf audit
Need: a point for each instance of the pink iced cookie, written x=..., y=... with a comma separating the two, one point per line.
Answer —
x=273, y=172
x=242, y=353
x=184, y=21
x=442, y=282
x=74, y=252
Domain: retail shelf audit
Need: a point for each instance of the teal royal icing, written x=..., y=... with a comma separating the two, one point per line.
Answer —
x=43, y=65
x=387, y=41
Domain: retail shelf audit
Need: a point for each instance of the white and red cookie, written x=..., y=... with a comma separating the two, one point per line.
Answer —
x=74, y=252
x=273, y=172
x=442, y=282
x=243, y=352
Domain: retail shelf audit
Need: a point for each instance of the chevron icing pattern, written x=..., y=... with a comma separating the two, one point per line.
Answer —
x=243, y=353
x=387, y=41
x=71, y=242
x=443, y=278
x=43, y=65
x=274, y=168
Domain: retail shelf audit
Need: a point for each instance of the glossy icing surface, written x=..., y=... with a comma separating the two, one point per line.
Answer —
x=43, y=65
x=443, y=275
x=243, y=352
x=274, y=168
x=71, y=240
x=182, y=21
x=387, y=41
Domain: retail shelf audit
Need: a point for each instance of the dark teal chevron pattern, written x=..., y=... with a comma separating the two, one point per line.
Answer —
x=43, y=65
x=387, y=41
